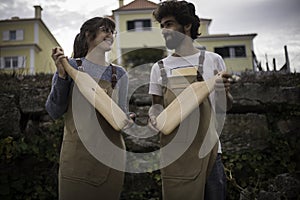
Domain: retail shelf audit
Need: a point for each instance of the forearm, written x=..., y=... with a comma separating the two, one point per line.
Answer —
x=223, y=101
x=157, y=100
x=155, y=110
x=57, y=101
x=157, y=106
x=123, y=92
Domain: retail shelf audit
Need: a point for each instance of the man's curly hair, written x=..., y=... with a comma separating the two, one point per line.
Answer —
x=183, y=12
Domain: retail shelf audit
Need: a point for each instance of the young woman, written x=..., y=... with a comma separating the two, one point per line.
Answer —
x=81, y=174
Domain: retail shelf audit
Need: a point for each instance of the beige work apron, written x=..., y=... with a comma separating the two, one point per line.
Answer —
x=81, y=176
x=185, y=178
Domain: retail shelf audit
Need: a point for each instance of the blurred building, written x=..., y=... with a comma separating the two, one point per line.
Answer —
x=25, y=45
x=137, y=30
x=236, y=50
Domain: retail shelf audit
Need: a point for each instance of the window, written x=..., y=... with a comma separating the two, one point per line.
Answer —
x=231, y=51
x=139, y=25
x=12, y=62
x=12, y=35
x=240, y=51
x=222, y=51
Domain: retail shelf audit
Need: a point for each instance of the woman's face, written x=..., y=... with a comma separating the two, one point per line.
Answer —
x=104, y=39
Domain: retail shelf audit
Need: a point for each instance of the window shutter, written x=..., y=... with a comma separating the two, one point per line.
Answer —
x=5, y=36
x=1, y=62
x=130, y=25
x=147, y=23
x=20, y=34
x=21, y=61
x=231, y=52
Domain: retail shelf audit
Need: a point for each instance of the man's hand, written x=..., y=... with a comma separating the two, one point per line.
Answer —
x=154, y=111
x=223, y=83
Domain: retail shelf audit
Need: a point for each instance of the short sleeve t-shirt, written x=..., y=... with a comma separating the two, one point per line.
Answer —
x=186, y=65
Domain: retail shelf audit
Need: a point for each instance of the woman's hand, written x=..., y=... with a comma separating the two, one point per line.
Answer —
x=57, y=55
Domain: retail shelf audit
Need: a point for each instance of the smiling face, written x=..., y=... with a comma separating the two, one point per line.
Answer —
x=103, y=40
x=172, y=31
x=95, y=32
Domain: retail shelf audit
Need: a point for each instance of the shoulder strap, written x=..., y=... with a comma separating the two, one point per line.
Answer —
x=163, y=75
x=200, y=66
x=113, y=76
x=113, y=72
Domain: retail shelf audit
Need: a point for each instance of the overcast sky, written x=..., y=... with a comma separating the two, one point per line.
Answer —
x=275, y=21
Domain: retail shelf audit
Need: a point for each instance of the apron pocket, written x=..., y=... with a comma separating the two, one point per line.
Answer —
x=77, y=164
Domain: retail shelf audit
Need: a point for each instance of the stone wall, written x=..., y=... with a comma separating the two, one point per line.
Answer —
x=23, y=103
x=264, y=102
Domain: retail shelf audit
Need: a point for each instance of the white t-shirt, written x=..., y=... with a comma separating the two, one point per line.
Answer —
x=185, y=66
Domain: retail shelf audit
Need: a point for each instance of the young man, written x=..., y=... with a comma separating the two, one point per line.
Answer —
x=190, y=176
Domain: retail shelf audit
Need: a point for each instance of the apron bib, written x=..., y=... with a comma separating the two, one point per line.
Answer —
x=187, y=175
x=81, y=175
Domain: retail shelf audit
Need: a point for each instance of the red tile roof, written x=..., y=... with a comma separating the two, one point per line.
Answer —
x=138, y=5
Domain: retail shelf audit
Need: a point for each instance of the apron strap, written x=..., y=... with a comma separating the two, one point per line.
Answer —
x=113, y=76
x=113, y=72
x=163, y=75
x=200, y=66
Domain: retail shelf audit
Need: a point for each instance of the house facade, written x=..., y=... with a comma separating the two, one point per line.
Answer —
x=25, y=45
x=137, y=30
x=236, y=50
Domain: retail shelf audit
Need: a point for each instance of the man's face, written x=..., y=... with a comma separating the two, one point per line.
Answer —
x=172, y=31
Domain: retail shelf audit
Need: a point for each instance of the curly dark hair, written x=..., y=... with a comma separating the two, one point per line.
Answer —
x=80, y=47
x=183, y=12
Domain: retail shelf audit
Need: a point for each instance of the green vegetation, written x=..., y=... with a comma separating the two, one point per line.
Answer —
x=29, y=167
x=29, y=164
x=250, y=172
